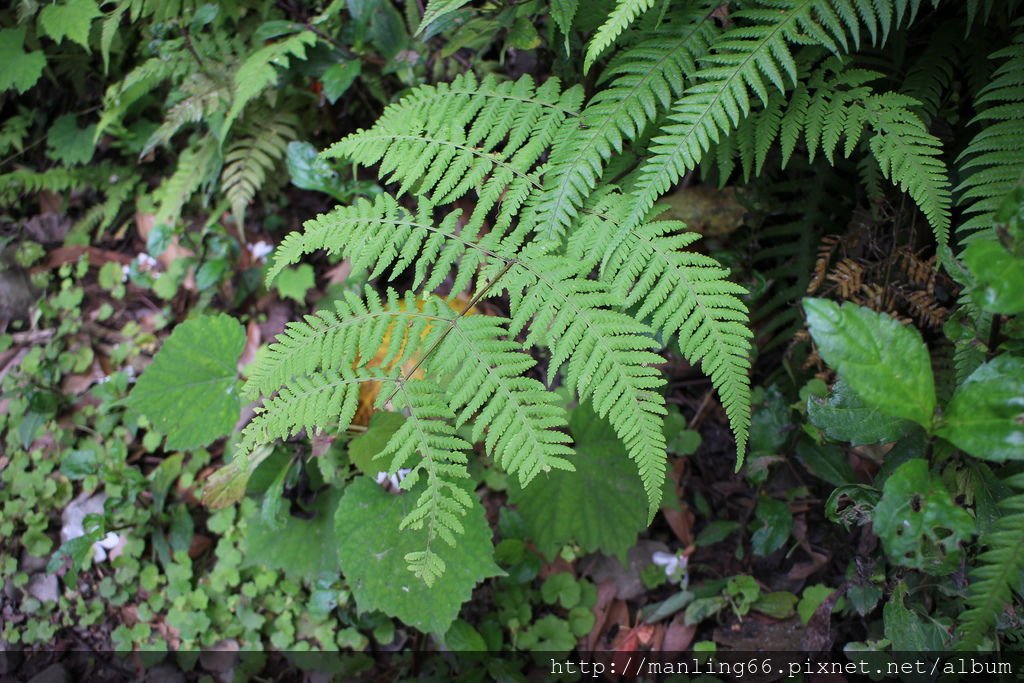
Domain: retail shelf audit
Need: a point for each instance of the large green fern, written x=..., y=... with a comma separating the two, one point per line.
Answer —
x=490, y=138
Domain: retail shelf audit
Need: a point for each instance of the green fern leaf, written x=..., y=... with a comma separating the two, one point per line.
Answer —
x=258, y=72
x=252, y=157
x=624, y=14
x=643, y=82
x=998, y=570
x=993, y=159
x=682, y=293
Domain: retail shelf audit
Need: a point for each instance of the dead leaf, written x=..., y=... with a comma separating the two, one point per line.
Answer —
x=706, y=209
x=47, y=228
x=678, y=636
x=253, y=337
x=818, y=633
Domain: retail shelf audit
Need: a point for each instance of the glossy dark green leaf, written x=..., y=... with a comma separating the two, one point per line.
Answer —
x=827, y=462
x=1000, y=277
x=776, y=522
x=986, y=414
x=884, y=362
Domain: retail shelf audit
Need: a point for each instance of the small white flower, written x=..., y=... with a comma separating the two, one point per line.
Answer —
x=125, y=271
x=673, y=563
x=260, y=250
x=146, y=262
x=394, y=479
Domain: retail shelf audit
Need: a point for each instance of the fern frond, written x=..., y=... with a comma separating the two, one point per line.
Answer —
x=258, y=72
x=682, y=293
x=350, y=336
x=196, y=166
x=443, y=141
x=911, y=157
x=998, y=570
x=429, y=432
x=204, y=97
x=751, y=57
x=516, y=414
x=607, y=355
x=836, y=105
x=519, y=417
x=931, y=75
x=644, y=80
x=252, y=157
x=624, y=14
x=992, y=161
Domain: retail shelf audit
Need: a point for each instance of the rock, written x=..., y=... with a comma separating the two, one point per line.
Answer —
x=73, y=518
x=221, y=657
x=165, y=673
x=43, y=587
x=30, y=564
x=55, y=673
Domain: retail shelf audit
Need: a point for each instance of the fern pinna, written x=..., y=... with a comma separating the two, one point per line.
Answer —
x=595, y=309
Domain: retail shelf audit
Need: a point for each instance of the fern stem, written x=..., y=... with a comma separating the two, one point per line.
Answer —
x=451, y=326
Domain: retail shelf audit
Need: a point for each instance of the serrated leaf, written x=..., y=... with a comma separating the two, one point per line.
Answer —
x=917, y=521
x=884, y=362
x=301, y=548
x=67, y=143
x=21, y=69
x=436, y=9
x=71, y=20
x=602, y=505
x=986, y=414
x=843, y=416
x=373, y=552
x=190, y=390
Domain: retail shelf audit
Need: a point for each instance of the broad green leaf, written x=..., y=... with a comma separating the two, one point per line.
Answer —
x=190, y=390
x=827, y=462
x=301, y=548
x=884, y=362
x=601, y=506
x=293, y=283
x=20, y=69
x=309, y=172
x=844, y=417
x=919, y=524
x=778, y=605
x=71, y=19
x=372, y=550
x=364, y=449
x=986, y=414
x=907, y=631
x=67, y=143
x=776, y=522
x=1000, y=277
x=339, y=78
